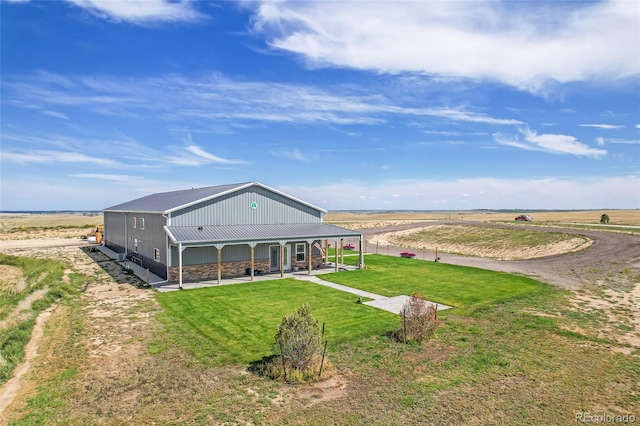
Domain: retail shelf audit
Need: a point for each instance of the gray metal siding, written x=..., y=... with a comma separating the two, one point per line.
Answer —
x=230, y=253
x=114, y=229
x=235, y=253
x=149, y=238
x=236, y=209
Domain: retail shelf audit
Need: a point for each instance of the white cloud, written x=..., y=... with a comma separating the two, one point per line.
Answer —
x=624, y=141
x=141, y=11
x=603, y=126
x=555, y=144
x=54, y=157
x=291, y=153
x=523, y=44
x=56, y=114
x=108, y=177
x=217, y=99
x=600, y=141
x=539, y=193
x=124, y=152
x=202, y=157
x=637, y=126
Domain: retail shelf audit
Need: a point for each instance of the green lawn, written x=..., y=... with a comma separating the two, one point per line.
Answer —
x=237, y=323
x=451, y=285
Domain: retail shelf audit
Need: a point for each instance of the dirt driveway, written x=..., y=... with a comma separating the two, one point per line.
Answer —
x=609, y=261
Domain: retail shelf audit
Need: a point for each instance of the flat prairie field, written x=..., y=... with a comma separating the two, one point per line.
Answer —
x=11, y=221
x=616, y=217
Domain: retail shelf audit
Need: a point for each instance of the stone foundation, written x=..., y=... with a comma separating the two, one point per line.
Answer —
x=209, y=271
x=315, y=261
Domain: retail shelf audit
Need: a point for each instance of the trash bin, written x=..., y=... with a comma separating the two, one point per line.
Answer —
x=248, y=271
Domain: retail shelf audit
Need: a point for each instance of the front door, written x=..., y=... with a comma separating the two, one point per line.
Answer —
x=274, y=258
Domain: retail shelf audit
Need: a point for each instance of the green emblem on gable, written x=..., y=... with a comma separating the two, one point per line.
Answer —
x=254, y=205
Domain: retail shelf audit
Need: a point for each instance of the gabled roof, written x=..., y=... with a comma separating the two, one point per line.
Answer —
x=167, y=202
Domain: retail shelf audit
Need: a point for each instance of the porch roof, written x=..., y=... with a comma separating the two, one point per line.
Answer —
x=255, y=234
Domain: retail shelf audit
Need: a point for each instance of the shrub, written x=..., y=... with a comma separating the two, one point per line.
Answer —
x=299, y=338
x=299, y=341
x=604, y=218
x=419, y=318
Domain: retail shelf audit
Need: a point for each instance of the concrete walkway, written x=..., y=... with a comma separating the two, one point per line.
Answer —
x=389, y=304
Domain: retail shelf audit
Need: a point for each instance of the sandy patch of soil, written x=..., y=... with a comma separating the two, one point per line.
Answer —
x=357, y=226
x=621, y=311
x=307, y=395
x=479, y=249
x=10, y=276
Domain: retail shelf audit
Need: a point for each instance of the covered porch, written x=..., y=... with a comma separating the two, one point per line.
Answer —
x=278, y=238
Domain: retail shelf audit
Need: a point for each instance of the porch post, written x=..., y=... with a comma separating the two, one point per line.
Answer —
x=336, y=255
x=219, y=249
x=342, y=251
x=361, y=262
x=310, y=260
x=281, y=261
x=180, y=266
x=252, y=259
x=325, y=257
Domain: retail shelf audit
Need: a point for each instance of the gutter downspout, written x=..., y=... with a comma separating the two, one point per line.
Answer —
x=126, y=245
x=167, y=249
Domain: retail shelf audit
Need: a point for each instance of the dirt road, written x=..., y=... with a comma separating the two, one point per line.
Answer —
x=609, y=261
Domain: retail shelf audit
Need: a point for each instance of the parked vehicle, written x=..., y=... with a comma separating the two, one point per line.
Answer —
x=525, y=217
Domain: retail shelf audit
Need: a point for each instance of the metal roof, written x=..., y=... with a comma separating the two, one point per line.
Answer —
x=237, y=234
x=166, y=202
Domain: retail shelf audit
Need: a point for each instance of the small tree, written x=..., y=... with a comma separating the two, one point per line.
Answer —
x=299, y=340
x=604, y=218
x=420, y=319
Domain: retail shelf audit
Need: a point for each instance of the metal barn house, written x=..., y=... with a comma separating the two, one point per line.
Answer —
x=221, y=231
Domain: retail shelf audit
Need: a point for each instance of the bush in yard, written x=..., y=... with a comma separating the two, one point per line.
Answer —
x=604, y=218
x=419, y=318
x=299, y=341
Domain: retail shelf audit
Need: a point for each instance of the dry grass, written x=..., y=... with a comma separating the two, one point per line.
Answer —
x=493, y=243
x=9, y=221
x=617, y=217
x=29, y=226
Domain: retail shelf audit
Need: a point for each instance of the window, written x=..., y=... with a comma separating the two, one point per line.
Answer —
x=156, y=254
x=301, y=251
x=142, y=223
x=134, y=222
x=135, y=245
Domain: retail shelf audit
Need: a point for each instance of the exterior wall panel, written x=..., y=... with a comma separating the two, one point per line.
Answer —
x=114, y=230
x=230, y=253
x=237, y=209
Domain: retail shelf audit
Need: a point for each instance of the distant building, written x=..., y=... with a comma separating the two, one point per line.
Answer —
x=221, y=231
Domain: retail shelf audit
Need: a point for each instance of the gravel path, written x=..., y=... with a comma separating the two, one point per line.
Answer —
x=601, y=263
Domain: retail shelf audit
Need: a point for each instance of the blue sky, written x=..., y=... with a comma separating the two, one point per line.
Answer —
x=348, y=105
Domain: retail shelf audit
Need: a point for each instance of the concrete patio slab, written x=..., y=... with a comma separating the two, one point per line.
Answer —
x=396, y=303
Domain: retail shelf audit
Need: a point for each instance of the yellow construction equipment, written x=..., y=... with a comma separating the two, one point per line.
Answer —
x=95, y=236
